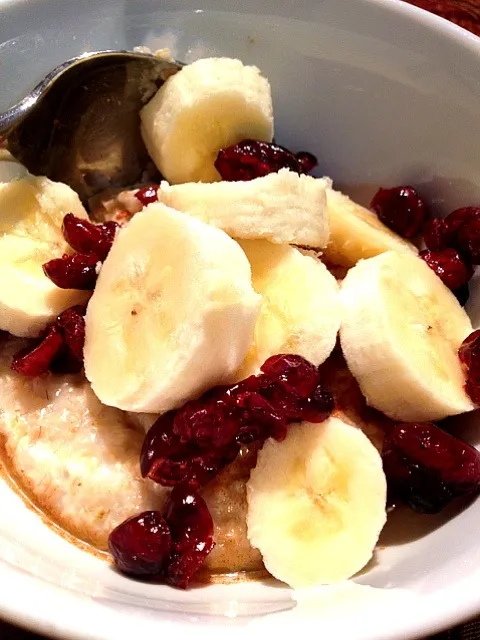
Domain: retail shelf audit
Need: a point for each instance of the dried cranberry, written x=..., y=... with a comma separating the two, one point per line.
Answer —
x=191, y=528
x=88, y=238
x=141, y=545
x=72, y=323
x=78, y=271
x=468, y=240
x=449, y=266
x=400, y=209
x=36, y=361
x=427, y=467
x=435, y=234
x=252, y=159
x=195, y=442
x=469, y=354
x=294, y=372
x=168, y=461
x=307, y=161
x=147, y=195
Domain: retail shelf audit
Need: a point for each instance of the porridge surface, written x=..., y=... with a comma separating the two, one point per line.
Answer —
x=78, y=460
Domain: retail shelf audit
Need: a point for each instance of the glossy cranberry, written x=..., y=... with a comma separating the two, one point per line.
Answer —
x=469, y=354
x=78, y=271
x=252, y=159
x=167, y=460
x=88, y=238
x=72, y=324
x=141, y=545
x=435, y=234
x=427, y=467
x=147, y=195
x=307, y=161
x=294, y=372
x=195, y=442
x=449, y=266
x=36, y=361
x=191, y=528
x=468, y=240
x=400, y=209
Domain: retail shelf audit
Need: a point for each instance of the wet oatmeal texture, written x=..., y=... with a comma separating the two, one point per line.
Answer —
x=78, y=460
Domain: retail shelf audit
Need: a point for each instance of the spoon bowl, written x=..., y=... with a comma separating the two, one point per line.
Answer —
x=80, y=125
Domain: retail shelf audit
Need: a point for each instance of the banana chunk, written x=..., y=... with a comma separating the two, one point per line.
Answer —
x=282, y=207
x=356, y=232
x=209, y=104
x=31, y=216
x=400, y=334
x=317, y=503
x=300, y=311
x=172, y=314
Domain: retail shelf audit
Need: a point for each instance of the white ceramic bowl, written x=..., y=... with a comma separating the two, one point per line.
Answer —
x=383, y=93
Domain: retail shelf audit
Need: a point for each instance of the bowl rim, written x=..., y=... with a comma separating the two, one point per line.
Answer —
x=32, y=602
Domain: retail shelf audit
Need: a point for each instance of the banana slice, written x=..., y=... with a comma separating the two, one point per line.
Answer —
x=10, y=168
x=172, y=314
x=209, y=104
x=317, y=503
x=400, y=334
x=300, y=311
x=282, y=207
x=356, y=232
x=31, y=215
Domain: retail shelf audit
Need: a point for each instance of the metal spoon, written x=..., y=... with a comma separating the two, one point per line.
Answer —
x=81, y=124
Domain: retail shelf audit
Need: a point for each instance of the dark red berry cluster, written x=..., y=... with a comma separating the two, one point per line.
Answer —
x=427, y=467
x=252, y=159
x=188, y=447
x=59, y=349
x=453, y=244
x=171, y=546
x=92, y=242
x=194, y=443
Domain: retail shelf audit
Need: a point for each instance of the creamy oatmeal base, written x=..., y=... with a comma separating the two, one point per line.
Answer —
x=78, y=460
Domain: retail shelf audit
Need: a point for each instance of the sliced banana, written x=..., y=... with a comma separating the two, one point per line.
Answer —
x=10, y=168
x=31, y=215
x=172, y=314
x=282, y=207
x=300, y=311
x=400, y=334
x=356, y=232
x=209, y=104
x=317, y=503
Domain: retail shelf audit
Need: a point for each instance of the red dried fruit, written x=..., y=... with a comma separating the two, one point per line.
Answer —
x=252, y=159
x=469, y=354
x=72, y=324
x=141, y=545
x=195, y=442
x=307, y=161
x=468, y=240
x=88, y=238
x=36, y=361
x=449, y=266
x=435, y=234
x=427, y=467
x=167, y=460
x=78, y=271
x=293, y=372
x=147, y=195
x=400, y=209
x=462, y=294
x=191, y=528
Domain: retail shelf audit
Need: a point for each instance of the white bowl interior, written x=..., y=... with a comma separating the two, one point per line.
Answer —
x=384, y=94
